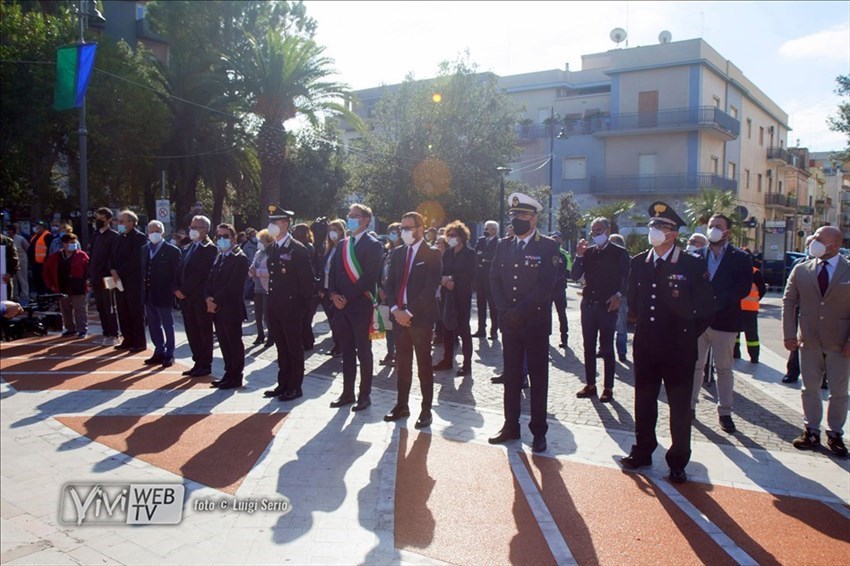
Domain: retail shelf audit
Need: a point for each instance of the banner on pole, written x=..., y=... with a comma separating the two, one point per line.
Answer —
x=74, y=64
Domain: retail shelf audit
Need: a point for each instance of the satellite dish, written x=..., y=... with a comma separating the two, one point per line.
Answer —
x=742, y=212
x=618, y=35
x=665, y=37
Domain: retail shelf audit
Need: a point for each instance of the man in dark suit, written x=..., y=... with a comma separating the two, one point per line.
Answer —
x=730, y=271
x=198, y=259
x=224, y=302
x=671, y=300
x=99, y=259
x=290, y=293
x=411, y=288
x=522, y=279
x=353, y=290
x=485, y=249
x=126, y=268
x=161, y=272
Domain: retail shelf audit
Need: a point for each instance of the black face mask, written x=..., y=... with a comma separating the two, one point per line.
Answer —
x=99, y=224
x=520, y=227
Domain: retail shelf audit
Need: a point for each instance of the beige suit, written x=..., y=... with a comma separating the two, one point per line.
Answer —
x=824, y=330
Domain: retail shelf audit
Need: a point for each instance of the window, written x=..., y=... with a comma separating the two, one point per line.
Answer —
x=733, y=112
x=730, y=171
x=716, y=101
x=770, y=184
x=780, y=187
x=761, y=135
x=746, y=178
x=574, y=168
x=749, y=129
x=141, y=9
x=758, y=182
x=715, y=163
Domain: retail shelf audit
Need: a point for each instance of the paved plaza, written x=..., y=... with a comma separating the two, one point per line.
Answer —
x=346, y=488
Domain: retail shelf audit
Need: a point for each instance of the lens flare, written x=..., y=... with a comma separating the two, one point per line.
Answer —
x=433, y=212
x=432, y=177
x=437, y=97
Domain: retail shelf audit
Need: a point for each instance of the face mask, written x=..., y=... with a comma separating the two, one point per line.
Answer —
x=223, y=244
x=254, y=239
x=155, y=237
x=715, y=235
x=452, y=242
x=600, y=240
x=817, y=249
x=194, y=235
x=393, y=237
x=121, y=229
x=407, y=237
x=274, y=230
x=73, y=247
x=54, y=229
x=333, y=235
x=353, y=224
x=430, y=237
x=656, y=237
x=691, y=249
x=99, y=224
x=521, y=227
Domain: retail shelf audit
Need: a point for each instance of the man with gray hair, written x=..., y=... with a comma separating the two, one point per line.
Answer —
x=161, y=273
x=605, y=267
x=126, y=269
x=485, y=249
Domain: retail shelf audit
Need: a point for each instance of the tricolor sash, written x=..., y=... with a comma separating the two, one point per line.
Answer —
x=377, y=328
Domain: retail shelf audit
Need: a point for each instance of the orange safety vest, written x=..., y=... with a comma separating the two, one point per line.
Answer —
x=41, y=247
x=751, y=301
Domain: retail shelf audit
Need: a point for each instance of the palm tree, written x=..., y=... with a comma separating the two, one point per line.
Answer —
x=285, y=77
x=699, y=208
x=611, y=211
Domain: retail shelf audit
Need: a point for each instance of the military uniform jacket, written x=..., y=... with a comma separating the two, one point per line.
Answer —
x=525, y=280
x=673, y=307
x=225, y=284
x=290, y=276
x=485, y=251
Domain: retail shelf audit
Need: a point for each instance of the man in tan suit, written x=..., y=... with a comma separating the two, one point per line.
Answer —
x=820, y=287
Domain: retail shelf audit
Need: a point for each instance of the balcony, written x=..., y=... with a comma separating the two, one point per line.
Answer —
x=780, y=156
x=805, y=210
x=676, y=119
x=823, y=203
x=779, y=200
x=681, y=183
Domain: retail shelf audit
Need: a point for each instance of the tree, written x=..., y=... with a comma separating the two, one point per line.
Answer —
x=701, y=207
x=315, y=173
x=569, y=218
x=433, y=146
x=841, y=121
x=612, y=211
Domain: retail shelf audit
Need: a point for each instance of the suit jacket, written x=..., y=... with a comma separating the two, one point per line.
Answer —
x=125, y=258
x=225, y=283
x=732, y=282
x=523, y=281
x=161, y=274
x=461, y=266
x=824, y=321
x=196, y=270
x=290, y=277
x=673, y=307
x=422, y=283
x=485, y=251
x=369, y=253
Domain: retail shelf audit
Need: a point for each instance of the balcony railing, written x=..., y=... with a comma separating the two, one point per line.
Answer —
x=779, y=199
x=806, y=210
x=780, y=154
x=823, y=202
x=661, y=184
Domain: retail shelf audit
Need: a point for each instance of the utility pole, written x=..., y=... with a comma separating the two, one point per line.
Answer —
x=83, y=135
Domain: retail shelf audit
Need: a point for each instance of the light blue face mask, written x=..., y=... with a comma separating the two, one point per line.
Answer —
x=121, y=228
x=353, y=224
x=223, y=244
x=73, y=247
x=393, y=237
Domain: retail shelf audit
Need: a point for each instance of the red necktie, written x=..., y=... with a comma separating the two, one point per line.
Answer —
x=403, y=287
x=823, y=279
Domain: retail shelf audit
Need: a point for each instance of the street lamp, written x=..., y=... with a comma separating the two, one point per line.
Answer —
x=503, y=171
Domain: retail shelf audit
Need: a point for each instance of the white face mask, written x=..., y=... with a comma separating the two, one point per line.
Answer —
x=155, y=237
x=656, y=237
x=600, y=239
x=407, y=237
x=333, y=235
x=715, y=235
x=452, y=242
x=817, y=249
x=274, y=230
x=194, y=235
x=691, y=249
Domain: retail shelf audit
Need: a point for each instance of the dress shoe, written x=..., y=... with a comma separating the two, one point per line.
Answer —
x=168, y=362
x=425, y=419
x=153, y=360
x=291, y=394
x=386, y=360
x=539, y=443
x=677, y=475
x=68, y=333
x=606, y=396
x=137, y=349
x=190, y=371
x=230, y=384
x=201, y=372
x=122, y=346
x=494, y=336
x=269, y=343
x=623, y=358
x=259, y=340
x=276, y=392
x=824, y=384
x=464, y=371
x=215, y=383
x=397, y=413
x=726, y=424
x=342, y=401
x=836, y=444
x=497, y=379
x=505, y=435
x=587, y=391
x=363, y=403
x=809, y=440
x=443, y=365
x=754, y=360
x=789, y=379
x=693, y=414
x=479, y=334
x=634, y=462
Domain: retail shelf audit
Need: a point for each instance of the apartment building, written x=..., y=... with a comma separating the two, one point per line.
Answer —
x=832, y=203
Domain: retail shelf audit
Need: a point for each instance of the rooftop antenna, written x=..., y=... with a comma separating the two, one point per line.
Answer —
x=665, y=37
x=627, y=22
x=617, y=35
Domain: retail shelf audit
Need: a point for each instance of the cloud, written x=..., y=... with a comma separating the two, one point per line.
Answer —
x=833, y=43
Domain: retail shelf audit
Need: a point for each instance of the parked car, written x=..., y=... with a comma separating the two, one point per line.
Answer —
x=776, y=271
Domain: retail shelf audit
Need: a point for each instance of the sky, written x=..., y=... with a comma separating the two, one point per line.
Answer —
x=791, y=50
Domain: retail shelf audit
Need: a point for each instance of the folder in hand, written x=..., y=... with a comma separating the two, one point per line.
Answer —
x=109, y=283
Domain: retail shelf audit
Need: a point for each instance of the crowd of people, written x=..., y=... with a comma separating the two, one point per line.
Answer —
x=689, y=306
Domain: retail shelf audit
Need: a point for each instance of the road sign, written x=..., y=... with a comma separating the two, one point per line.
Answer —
x=163, y=211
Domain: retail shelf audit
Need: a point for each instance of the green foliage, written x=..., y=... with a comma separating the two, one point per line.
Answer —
x=612, y=211
x=699, y=208
x=841, y=121
x=314, y=172
x=434, y=145
x=569, y=218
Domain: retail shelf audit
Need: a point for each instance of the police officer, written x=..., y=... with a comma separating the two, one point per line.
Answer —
x=485, y=249
x=671, y=298
x=290, y=292
x=521, y=279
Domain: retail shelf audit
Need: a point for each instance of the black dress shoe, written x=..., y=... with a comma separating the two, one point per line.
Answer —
x=396, y=414
x=230, y=384
x=789, y=379
x=633, y=462
x=677, y=475
x=122, y=346
x=479, y=334
x=137, y=349
x=425, y=419
x=276, y=392
x=342, y=401
x=168, y=362
x=504, y=435
x=190, y=371
x=539, y=443
x=727, y=424
x=201, y=372
x=153, y=360
x=215, y=383
x=494, y=336
x=445, y=364
x=362, y=404
x=497, y=379
x=291, y=394
x=464, y=371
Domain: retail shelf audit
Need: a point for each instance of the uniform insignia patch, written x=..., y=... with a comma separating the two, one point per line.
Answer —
x=659, y=208
x=515, y=202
